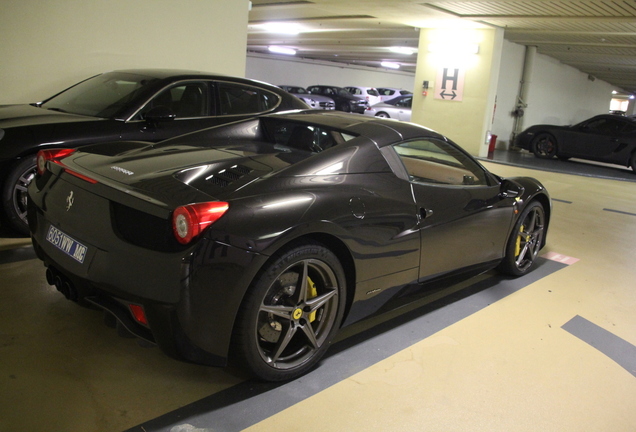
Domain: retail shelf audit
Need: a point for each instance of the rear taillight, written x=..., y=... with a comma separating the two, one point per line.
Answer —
x=53, y=155
x=190, y=220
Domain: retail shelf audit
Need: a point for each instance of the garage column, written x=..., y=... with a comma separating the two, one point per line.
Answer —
x=461, y=69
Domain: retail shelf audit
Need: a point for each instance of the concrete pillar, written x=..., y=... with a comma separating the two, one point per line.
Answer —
x=462, y=84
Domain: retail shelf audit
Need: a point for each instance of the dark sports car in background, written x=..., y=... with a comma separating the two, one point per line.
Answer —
x=256, y=241
x=149, y=105
x=604, y=138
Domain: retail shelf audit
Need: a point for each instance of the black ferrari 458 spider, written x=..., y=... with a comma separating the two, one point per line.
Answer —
x=258, y=240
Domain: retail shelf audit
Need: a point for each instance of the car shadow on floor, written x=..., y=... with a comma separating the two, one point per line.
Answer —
x=579, y=167
x=357, y=347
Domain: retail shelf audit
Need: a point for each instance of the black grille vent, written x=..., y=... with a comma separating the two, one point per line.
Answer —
x=228, y=175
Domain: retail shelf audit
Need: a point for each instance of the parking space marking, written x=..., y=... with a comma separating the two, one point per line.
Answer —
x=251, y=402
x=614, y=347
x=619, y=211
x=554, y=256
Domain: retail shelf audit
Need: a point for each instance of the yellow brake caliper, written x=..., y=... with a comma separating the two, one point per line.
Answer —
x=518, y=244
x=312, y=292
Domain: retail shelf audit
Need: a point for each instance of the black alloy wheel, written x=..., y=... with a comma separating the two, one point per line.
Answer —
x=525, y=241
x=14, y=195
x=544, y=146
x=291, y=313
x=345, y=107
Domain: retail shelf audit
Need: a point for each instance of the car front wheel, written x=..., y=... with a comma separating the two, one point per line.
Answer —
x=632, y=161
x=14, y=195
x=525, y=241
x=290, y=314
x=544, y=146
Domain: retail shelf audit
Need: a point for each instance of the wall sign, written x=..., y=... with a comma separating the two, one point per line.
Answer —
x=449, y=84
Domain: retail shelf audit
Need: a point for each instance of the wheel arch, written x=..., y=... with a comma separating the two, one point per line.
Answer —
x=335, y=245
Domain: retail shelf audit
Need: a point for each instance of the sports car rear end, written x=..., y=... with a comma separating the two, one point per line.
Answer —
x=107, y=240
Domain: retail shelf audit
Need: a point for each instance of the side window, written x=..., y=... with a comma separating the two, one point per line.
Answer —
x=186, y=100
x=406, y=102
x=436, y=161
x=238, y=99
x=301, y=136
x=629, y=128
x=604, y=126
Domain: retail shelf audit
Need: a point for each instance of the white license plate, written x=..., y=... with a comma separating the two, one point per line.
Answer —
x=66, y=244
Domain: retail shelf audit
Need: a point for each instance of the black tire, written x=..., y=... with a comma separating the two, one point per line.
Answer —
x=632, y=161
x=291, y=313
x=544, y=146
x=345, y=107
x=525, y=241
x=14, y=195
x=383, y=115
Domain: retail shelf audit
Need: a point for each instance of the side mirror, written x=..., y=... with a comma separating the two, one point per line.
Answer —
x=160, y=113
x=510, y=189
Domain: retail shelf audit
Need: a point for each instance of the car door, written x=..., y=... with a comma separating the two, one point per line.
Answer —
x=596, y=139
x=403, y=108
x=463, y=219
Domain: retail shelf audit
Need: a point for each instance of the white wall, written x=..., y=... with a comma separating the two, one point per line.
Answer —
x=292, y=71
x=558, y=94
x=48, y=45
x=510, y=73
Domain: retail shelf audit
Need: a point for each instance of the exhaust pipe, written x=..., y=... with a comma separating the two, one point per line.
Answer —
x=61, y=283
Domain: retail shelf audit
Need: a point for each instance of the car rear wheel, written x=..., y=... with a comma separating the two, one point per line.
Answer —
x=525, y=241
x=291, y=313
x=544, y=146
x=383, y=115
x=14, y=195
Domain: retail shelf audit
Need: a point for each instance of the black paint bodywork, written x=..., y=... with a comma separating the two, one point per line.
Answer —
x=25, y=129
x=604, y=138
x=354, y=197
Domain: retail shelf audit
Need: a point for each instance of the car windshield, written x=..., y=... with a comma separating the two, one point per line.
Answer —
x=298, y=90
x=101, y=96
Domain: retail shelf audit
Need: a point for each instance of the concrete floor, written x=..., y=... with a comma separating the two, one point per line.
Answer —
x=552, y=351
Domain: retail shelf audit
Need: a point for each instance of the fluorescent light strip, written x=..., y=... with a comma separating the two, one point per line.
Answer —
x=282, y=50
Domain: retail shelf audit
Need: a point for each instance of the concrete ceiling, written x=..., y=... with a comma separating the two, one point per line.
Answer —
x=597, y=37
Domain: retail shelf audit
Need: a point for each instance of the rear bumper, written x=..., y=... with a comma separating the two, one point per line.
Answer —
x=190, y=298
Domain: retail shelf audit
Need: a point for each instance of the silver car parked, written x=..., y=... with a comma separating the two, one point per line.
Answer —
x=313, y=100
x=398, y=108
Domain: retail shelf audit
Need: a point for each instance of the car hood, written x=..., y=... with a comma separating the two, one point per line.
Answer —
x=28, y=115
x=162, y=171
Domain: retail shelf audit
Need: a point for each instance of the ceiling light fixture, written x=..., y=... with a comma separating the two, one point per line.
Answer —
x=390, y=65
x=453, y=48
x=281, y=27
x=402, y=50
x=281, y=50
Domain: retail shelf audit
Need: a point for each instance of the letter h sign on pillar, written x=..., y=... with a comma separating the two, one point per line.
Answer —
x=449, y=84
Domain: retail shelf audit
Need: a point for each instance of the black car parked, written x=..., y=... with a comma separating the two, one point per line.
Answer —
x=344, y=100
x=149, y=105
x=603, y=138
x=258, y=240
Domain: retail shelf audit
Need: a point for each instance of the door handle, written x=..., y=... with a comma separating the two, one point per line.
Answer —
x=424, y=213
